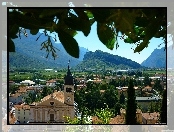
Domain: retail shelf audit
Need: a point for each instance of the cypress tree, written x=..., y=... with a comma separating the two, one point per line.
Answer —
x=163, y=112
x=122, y=98
x=131, y=105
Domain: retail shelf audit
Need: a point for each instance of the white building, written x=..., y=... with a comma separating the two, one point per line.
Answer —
x=27, y=82
x=22, y=113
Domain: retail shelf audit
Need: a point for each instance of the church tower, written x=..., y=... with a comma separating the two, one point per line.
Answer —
x=69, y=88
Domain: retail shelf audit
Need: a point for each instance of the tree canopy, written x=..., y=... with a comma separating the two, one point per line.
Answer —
x=137, y=26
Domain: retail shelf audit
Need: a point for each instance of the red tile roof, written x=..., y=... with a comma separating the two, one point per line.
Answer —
x=12, y=118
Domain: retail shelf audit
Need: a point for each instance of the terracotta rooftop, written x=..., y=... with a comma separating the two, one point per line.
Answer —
x=15, y=95
x=148, y=87
x=154, y=115
x=57, y=95
x=116, y=120
x=22, y=106
x=12, y=118
x=51, y=81
x=96, y=120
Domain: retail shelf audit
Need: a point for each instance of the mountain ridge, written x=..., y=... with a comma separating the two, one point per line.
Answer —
x=107, y=60
x=28, y=54
x=157, y=59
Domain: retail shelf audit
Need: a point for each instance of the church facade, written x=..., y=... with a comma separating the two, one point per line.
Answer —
x=53, y=108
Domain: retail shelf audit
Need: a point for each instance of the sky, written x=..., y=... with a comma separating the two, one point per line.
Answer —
x=92, y=43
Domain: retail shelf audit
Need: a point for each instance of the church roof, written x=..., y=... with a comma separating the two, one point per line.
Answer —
x=56, y=95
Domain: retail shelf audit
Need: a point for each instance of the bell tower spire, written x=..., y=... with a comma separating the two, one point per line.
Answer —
x=69, y=77
x=69, y=87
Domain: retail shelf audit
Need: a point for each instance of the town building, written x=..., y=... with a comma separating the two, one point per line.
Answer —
x=54, y=107
x=22, y=113
x=51, y=83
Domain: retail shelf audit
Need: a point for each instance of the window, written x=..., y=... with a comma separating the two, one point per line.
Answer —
x=51, y=102
x=18, y=112
x=24, y=117
x=68, y=89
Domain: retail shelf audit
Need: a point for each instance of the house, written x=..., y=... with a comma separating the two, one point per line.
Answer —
x=80, y=86
x=145, y=102
x=21, y=94
x=11, y=82
x=147, y=89
x=51, y=83
x=150, y=118
x=27, y=82
x=15, y=98
x=22, y=113
x=124, y=90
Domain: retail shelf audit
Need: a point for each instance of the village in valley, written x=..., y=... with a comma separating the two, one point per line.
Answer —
x=86, y=67
x=50, y=96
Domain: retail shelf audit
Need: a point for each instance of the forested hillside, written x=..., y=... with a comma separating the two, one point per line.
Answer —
x=29, y=55
x=98, y=59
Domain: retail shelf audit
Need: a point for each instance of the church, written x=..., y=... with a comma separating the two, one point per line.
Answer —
x=53, y=108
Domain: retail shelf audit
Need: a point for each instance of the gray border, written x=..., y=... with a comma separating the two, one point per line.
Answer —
x=62, y=3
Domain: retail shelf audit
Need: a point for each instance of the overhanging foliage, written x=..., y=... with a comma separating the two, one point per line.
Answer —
x=138, y=26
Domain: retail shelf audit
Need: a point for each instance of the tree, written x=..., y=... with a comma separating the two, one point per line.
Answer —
x=13, y=89
x=157, y=86
x=163, y=112
x=122, y=98
x=147, y=81
x=131, y=105
x=44, y=92
x=137, y=26
x=110, y=96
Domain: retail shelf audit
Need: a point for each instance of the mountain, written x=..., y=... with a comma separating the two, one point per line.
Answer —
x=170, y=57
x=157, y=59
x=99, y=59
x=29, y=55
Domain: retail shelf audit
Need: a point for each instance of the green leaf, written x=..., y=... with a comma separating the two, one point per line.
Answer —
x=140, y=47
x=50, y=12
x=69, y=43
x=106, y=35
x=128, y=40
x=89, y=14
x=100, y=15
x=79, y=25
x=34, y=31
x=141, y=22
x=92, y=21
x=11, y=46
x=83, y=16
x=71, y=32
x=13, y=31
x=125, y=22
x=150, y=32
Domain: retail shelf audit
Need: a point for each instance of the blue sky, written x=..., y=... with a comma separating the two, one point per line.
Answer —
x=92, y=43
